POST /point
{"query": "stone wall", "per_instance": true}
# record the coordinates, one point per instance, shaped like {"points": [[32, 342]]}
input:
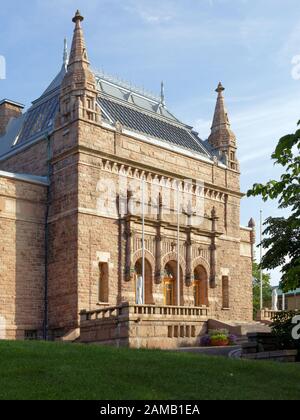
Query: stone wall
{"points": [[31, 160], [22, 256], [83, 157]]}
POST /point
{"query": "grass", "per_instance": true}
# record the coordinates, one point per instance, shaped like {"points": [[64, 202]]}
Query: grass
{"points": [[37, 370]]}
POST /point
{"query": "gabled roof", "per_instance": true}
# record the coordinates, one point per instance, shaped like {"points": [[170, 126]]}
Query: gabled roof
{"points": [[136, 110], [144, 113]]}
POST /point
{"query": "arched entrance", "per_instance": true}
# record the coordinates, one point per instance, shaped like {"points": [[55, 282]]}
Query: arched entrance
{"points": [[148, 281], [200, 286], [170, 284]]}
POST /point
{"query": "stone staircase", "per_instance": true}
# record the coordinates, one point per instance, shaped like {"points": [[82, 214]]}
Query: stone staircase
{"points": [[238, 328]]}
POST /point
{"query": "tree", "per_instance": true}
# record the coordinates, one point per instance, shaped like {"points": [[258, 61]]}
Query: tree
{"points": [[267, 289], [282, 240]]}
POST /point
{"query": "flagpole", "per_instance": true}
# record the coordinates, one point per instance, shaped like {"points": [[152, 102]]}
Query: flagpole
{"points": [[143, 237], [178, 248], [261, 271]]}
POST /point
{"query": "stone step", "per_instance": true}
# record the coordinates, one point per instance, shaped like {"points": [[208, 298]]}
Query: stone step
{"points": [[238, 328]]}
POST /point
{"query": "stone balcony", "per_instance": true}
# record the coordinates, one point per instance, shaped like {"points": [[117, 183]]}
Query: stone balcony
{"points": [[144, 326]]}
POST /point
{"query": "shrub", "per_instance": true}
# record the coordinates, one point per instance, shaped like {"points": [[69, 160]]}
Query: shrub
{"points": [[282, 327], [217, 332]]}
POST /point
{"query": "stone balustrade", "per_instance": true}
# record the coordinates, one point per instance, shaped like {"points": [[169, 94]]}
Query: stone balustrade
{"points": [[147, 310], [266, 315], [144, 325]]}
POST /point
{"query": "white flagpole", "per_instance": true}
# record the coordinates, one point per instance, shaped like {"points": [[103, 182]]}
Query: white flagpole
{"points": [[261, 271], [178, 248], [143, 237]]}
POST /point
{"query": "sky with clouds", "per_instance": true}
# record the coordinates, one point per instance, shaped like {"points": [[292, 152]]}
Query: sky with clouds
{"points": [[191, 45]]}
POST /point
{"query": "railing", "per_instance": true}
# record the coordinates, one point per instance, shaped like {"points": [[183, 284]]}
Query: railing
{"points": [[145, 310], [266, 314], [106, 313], [182, 311]]}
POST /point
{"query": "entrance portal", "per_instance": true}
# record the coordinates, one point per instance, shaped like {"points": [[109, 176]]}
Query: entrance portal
{"points": [[148, 281], [170, 284], [200, 287]]}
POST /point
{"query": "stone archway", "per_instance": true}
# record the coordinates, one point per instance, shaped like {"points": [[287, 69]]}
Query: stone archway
{"points": [[171, 284], [200, 286], [148, 279], [172, 256], [201, 261]]}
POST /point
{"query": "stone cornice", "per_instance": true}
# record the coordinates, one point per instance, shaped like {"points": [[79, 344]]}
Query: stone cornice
{"points": [[143, 168]]}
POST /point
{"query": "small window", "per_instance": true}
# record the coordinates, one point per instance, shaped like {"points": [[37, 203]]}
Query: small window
{"points": [[103, 283], [30, 335], [225, 292], [232, 156]]}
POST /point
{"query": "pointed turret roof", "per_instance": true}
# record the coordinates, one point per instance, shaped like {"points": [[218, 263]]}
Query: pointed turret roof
{"points": [[221, 115], [221, 133], [78, 50]]}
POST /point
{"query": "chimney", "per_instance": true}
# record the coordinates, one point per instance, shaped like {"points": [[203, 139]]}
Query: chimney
{"points": [[8, 109]]}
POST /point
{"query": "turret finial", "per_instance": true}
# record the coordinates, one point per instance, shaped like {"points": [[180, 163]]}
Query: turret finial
{"points": [[77, 17], [220, 88]]}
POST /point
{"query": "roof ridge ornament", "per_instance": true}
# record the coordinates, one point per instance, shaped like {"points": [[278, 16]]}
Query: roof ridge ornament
{"points": [[66, 54], [162, 94]]}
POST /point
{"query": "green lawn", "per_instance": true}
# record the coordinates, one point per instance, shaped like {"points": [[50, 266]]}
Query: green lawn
{"points": [[37, 370]]}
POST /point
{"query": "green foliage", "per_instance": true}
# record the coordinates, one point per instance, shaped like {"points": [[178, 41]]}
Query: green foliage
{"points": [[220, 331], [283, 234], [267, 289], [219, 337], [282, 328]]}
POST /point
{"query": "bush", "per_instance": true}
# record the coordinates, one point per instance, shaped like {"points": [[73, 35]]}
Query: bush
{"points": [[282, 327], [217, 332]]}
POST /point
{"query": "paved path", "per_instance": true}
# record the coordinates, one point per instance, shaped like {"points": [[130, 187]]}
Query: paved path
{"points": [[210, 351]]}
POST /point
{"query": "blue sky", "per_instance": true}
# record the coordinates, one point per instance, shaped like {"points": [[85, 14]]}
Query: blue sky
{"points": [[191, 45]]}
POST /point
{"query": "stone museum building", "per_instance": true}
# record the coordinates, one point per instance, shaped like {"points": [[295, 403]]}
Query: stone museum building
{"points": [[85, 256]]}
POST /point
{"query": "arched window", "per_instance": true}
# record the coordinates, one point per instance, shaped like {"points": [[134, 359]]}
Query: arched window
{"points": [[103, 282]]}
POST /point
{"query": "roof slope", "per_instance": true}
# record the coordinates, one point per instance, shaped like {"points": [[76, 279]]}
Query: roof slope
{"points": [[134, 109]]}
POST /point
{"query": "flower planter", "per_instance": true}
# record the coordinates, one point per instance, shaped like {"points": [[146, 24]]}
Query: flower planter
{"points": [[219, 343]]}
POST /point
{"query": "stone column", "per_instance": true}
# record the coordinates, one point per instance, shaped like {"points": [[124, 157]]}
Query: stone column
{"points": [[213, 250], [158, 273], [188, 279], [129, 235]]}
